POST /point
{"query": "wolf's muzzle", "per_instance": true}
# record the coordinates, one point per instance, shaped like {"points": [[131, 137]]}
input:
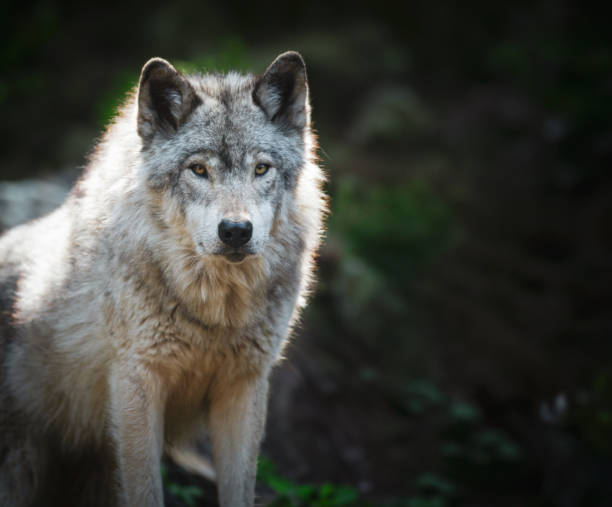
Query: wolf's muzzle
{"points": [[235, 234]]}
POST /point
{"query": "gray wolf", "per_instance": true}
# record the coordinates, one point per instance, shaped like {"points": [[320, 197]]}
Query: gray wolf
{"points": [[154, 302]]}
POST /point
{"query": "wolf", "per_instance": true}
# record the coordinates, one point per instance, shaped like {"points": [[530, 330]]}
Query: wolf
{"points": [[154, 302]]}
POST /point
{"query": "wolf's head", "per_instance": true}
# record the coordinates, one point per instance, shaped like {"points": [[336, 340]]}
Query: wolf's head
{"points": [[222, 152]]}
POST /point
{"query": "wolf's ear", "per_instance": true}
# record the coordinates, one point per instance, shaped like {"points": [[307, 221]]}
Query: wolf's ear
{"points": [[165, 99], [282, 92]]}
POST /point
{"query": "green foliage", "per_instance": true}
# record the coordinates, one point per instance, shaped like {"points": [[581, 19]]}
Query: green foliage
{"points": [[427, 390], [435, 501], [499, 445], [107, 106], [594, 419], [421, 394], [476, 452], [429, 482], [433, 491], [395, 229], [230, 55], [484, 447], [461, 412], [290, 494], [472, 451], [468, 441], [188, 495]]}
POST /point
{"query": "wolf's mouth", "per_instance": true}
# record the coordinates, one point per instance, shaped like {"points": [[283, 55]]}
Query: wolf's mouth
{"points": [[235, 256]]}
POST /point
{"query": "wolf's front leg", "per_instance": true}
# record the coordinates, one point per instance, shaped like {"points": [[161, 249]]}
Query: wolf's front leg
{"points": [[137, 401], [237, 420]]}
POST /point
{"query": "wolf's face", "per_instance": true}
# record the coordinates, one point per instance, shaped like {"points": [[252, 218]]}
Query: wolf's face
{"points": [[221, 153]]}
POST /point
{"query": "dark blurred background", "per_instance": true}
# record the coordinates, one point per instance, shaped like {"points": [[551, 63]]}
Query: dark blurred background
{"points": [[458, 349]]}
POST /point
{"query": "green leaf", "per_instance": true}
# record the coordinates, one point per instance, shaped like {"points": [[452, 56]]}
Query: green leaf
{"points": [[464, 412], [305, 491], [434, 483], [426, 389]]}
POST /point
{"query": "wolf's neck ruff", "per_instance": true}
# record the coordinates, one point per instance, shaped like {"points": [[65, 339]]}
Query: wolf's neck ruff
{"points": [[217, 292]]}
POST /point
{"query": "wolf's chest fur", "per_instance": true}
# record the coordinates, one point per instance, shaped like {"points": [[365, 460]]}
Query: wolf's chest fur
{"points": [[220, 320]]}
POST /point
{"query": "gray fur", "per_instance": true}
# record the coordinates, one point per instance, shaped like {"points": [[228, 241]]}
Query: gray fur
{"points": [[127, 324]]}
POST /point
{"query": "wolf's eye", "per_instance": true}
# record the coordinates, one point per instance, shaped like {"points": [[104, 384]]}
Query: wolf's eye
{"points": [[261, 169], [199, 169]]}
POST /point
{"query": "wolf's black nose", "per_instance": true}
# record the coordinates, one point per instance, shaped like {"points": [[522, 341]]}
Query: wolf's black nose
{"points": [[235, 233]]}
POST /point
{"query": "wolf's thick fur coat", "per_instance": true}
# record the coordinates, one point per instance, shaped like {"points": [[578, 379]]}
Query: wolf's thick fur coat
{"points": [[126, 325]]}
